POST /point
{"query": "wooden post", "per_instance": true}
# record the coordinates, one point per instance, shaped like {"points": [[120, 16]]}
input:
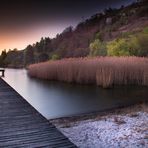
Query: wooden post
{"points": [[3, 72]]}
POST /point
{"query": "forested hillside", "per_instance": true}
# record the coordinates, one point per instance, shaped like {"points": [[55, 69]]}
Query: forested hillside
{"points": [[113, 32]]}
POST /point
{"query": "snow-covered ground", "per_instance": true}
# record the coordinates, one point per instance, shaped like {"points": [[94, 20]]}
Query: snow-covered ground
{"points": [[123, 128]]}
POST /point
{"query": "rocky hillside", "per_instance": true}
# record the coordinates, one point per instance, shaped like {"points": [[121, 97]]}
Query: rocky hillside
{"points": [[82, 40]]}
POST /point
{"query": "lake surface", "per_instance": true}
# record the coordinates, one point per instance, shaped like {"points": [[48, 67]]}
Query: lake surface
{"points": [[56, 99]]}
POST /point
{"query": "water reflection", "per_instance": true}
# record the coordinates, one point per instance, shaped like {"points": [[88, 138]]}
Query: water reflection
{"points": [[54, 99]]}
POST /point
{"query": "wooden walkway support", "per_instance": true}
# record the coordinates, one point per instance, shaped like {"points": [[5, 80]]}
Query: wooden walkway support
{"points": [[22, 126], [3, 72]]}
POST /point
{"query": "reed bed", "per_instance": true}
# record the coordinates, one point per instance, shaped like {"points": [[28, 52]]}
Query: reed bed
{"points": [[103, 71]]}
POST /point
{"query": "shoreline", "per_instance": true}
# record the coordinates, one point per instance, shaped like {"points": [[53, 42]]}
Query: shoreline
{"points": [[122, 127]]}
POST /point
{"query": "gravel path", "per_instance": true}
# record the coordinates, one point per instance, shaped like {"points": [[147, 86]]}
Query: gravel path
{"points": [[126, 127]]}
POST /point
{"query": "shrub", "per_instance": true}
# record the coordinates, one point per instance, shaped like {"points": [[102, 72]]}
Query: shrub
{"points": [[134, 46], [139, 45], [99, 35], [55, 57], [130, 44], [118, 47], [145, 30], [98, 48], [143, 43]]}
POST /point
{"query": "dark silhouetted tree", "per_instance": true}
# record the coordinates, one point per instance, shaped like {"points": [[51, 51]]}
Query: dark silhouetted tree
{"points": [[29, 55], [2, 58]]}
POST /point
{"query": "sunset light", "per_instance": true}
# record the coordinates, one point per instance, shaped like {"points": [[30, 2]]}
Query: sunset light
{"points": [[22, 38]]}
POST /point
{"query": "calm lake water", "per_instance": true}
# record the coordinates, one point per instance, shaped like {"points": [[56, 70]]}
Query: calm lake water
{"points": [[56, 99]]}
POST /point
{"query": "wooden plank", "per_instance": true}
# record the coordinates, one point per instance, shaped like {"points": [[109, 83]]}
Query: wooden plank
{"points": [[22, 126]]}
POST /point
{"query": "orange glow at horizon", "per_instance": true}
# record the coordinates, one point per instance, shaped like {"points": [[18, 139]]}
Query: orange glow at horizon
{"points": [[21, 39]]}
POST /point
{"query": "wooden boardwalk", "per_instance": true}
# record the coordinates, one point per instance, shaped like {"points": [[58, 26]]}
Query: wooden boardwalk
{"points": [[22, 126]]}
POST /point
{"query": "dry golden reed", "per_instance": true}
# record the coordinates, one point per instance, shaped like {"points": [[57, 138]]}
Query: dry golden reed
{"points": [[103, 71]]}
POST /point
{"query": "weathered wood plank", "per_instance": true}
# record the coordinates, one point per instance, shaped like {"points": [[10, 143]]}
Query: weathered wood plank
{"points": [[22, 126]]}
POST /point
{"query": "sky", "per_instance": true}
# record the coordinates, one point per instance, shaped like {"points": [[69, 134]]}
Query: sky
{"points": [[24, 22]]}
